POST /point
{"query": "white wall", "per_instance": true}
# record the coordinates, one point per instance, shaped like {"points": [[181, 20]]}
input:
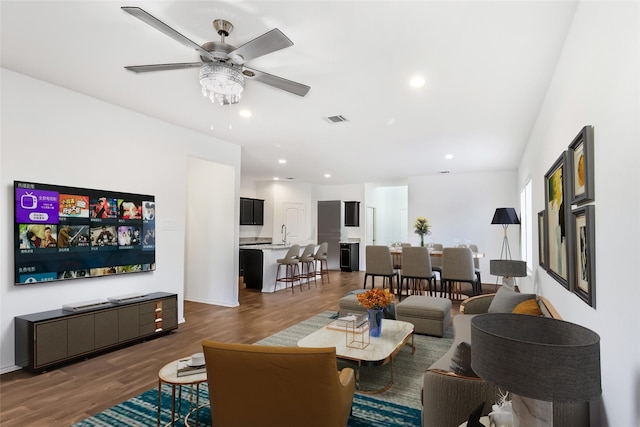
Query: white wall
{"points": [[208, 234], [596, 83], [460, 208], [52, 135]]}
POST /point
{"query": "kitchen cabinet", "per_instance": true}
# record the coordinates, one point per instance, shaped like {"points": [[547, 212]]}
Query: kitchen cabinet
{"points": [[349, 256], [251, 211], [352, 214]]}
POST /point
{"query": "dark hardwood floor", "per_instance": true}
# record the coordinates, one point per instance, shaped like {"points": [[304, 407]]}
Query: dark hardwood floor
{"points": [[73, 392]]}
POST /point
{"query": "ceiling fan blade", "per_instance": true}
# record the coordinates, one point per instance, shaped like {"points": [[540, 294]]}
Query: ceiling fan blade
{"points": [[162, 67], [275, 81], [161, 26], [266, 43]]}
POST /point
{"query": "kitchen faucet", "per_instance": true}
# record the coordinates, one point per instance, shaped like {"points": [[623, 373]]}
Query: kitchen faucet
{"points": [[283, 234]]}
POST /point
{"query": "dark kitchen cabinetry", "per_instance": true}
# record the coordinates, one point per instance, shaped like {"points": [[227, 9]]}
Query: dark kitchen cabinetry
{"points": [[349, 256], [252, 268], [57, 336], [352, 214], [251, 211]]}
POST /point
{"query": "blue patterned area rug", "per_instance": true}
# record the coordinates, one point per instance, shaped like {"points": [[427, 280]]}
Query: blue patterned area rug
{"points": [[397, 407], [142, 411]]}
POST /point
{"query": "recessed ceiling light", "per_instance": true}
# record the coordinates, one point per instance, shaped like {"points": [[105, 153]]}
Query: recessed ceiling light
{"points": [[275, 178], [417, 81], [245, 113], [327, 175], [448, 156], [282, 161]]}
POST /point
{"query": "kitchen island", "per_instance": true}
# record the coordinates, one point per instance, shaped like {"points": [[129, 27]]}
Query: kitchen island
{"points": [[260, 265]]}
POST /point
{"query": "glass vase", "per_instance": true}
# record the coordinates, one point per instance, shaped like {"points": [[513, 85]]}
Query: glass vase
{"points": [[375, 321]]}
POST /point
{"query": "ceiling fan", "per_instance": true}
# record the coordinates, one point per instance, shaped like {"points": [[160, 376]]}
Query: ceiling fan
{"points": [[222, 69]]}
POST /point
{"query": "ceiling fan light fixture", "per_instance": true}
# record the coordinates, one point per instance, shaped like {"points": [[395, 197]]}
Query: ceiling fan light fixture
{"points": [[221, 82]]}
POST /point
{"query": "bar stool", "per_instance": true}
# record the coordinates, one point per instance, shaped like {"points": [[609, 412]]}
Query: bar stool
{"points": [[321, 258], [307, 260], [290, 262]]}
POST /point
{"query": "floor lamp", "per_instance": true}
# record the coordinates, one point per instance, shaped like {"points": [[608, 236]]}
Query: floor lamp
{"points": [[505, 217], [505, 267], [539, 361]]}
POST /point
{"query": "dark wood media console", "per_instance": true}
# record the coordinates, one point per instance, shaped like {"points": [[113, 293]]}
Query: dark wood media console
{"points": [[52, 337]]}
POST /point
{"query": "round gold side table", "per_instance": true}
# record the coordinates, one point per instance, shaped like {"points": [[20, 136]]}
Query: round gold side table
{"points": [[168, 374]]}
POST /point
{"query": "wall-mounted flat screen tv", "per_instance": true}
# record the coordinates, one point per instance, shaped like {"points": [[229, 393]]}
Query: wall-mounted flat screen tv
{"points": [[63, 233]]}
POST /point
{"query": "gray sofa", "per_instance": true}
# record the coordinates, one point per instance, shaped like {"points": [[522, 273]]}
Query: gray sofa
{"points": [[448, 398]]}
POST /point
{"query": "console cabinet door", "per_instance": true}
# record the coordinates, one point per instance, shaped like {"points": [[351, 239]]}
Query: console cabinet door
{"points": [[80, 333], [169, 313], [128, 323], [106, 328], [51, 342]]}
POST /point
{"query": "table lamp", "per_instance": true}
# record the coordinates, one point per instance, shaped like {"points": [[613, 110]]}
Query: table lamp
{"points": [[508, 269], [539, 360]]}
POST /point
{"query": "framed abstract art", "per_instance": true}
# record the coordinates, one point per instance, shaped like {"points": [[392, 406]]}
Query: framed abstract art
{"points": [[583, 254], [556, 223], [542, 240], [580, 157]]}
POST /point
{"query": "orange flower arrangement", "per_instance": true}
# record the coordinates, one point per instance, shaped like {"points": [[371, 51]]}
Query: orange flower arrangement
{"points": [[375, 298]]}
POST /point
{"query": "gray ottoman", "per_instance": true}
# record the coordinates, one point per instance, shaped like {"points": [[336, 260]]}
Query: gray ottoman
{"points": [[429, 315]]}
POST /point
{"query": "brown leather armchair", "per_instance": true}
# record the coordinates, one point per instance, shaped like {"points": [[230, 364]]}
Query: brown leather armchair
{"points": [[251, 385]]}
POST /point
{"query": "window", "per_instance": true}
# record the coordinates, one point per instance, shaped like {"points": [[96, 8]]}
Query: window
{"points": [[526, 225]]}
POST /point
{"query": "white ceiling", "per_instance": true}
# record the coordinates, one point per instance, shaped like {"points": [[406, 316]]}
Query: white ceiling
{"points": [[487, 66]]}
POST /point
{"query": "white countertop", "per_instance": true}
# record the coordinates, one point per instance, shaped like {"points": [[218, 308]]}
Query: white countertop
{"points": [[268, 246]]}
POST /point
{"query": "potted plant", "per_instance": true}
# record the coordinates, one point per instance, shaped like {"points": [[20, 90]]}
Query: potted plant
{"points": [[422, 227]]}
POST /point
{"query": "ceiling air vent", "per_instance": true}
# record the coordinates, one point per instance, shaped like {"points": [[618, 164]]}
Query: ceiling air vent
{"points": [[336, 119]]}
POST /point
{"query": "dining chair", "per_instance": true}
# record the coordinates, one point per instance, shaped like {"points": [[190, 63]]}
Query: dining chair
{"points": [[290, 262], [378, 263], [321, 259], [436, 261], [476, 264], [416, 268], [307, 260], [457, 266]]}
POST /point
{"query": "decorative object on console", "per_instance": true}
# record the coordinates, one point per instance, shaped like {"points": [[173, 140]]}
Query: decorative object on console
{"points": [[422, 227], [501, 414], [375, 300], [539, 360], [474, 417]]}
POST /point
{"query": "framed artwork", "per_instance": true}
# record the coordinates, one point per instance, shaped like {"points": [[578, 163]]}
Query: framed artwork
{"points": [[542, 239], [583, 254], [581, 167], [557, 230]]}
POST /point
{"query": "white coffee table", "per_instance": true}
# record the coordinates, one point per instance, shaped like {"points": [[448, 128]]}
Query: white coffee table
{"points": [[380, 351]]}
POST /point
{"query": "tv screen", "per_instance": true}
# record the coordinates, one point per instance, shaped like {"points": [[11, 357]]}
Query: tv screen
{"points": [[64, 233]]}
